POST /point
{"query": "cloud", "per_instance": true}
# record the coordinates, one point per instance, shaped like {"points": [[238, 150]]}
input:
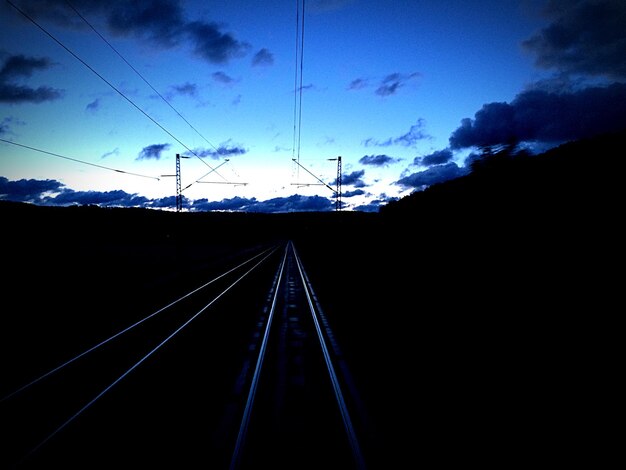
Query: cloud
{"points": [[372, 206], [115, 151], [223, 78], [356, 192], [389, 85], [4, 126], [352, 179], [378, 160], [93, 106], [263, 58], [213, 45], [393, 82], [225, 149], [433, 175], [27, 190], [358, 84], [14, 94], [545, 117], [6, 123], [161, 23], [411, 138], [115, 198], [584, 37], [22, 66], [189, 89], [436, 158], [54, 193], [153, 151], [294, 203]]}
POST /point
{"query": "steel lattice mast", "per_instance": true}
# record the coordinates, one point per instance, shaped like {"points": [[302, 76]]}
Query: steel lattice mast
{"points": [[338, 195], [179, 196]]}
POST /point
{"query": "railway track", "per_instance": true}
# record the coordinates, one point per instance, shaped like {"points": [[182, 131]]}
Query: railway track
{"points": [[240, 372]]}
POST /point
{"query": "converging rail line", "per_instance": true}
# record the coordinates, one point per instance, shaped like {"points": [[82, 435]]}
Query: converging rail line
{"points": [[302, 405], [240, 372]]}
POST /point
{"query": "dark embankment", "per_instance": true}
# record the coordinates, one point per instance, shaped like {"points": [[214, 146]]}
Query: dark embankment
{"points": [[466, 312]]}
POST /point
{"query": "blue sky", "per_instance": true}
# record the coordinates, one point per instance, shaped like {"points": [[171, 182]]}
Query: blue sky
{"points": [[97, 97]]}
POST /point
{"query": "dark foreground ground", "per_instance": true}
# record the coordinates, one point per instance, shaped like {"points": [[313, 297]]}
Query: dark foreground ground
{"points": [[470, 335]]}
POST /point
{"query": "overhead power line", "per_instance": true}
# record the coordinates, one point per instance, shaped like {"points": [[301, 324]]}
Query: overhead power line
{"points": [[140, 75], [77, 160], [29, 18], [297, 99]]}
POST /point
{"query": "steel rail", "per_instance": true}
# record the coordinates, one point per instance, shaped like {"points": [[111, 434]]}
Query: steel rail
{"points": [[125, 330], [37, 447], [343, 408], [245, 421]]}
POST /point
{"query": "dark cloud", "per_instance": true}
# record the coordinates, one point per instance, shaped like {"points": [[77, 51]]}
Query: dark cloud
{"points": [[225, 149], [93, 106], [541, 116], [5, 126], [6, 123], [115, 198], [263, 58], [162, 23], [372, 206], [294, 203], [189, 89], [223, 78], [24, 190], [153, 151], [22, 66], [411, 138], [388, 85], [433, 175], [62, 14], [393, 82], [212, 44], [353, 179], [54, 193], [378, 160], [358, 84], [356, 192], [584, 37], [436, 158], [166, 202], [159, 21], [14, 94], [115, 151]]}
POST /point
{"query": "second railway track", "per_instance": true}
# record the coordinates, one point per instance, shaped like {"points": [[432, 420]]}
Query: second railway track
{"points": [[239, 372]]}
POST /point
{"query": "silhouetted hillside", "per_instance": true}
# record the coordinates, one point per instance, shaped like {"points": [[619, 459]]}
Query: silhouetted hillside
{"points": [[571, 180], [466, 310]]}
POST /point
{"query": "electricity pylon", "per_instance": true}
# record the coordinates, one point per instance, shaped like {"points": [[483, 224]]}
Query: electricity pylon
{"points": [[179, 196], [336, 191]]}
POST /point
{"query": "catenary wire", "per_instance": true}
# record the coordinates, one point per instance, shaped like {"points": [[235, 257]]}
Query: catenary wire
{"points": [[125, 330], [300, 86], [140, 75], [134, 366], [29, 18], [77, 160]]}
